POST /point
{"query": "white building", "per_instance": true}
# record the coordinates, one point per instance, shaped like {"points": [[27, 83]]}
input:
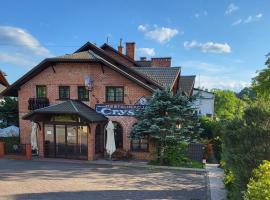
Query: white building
{"points": [[204, 102]]}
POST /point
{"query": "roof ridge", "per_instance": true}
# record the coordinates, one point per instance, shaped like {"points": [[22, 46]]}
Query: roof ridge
{"points": [[71, 101]]}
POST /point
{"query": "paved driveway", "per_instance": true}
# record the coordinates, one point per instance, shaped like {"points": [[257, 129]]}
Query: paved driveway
{"points": [[57, 180]]}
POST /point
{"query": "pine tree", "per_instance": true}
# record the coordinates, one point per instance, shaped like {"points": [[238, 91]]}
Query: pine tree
{"points": [[167, 116]]}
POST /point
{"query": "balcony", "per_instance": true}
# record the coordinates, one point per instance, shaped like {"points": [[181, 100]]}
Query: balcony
{"points": [[36, 103]]}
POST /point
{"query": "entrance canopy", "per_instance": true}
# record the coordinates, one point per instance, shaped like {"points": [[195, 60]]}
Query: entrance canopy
{"points": [[70, 107]]}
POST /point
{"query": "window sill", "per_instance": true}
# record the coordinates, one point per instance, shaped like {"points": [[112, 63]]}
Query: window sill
{"points": [[139, 151], [114, 102]]}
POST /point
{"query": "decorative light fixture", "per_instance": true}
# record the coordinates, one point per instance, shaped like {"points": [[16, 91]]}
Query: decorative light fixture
{"points": [[88, 82]]}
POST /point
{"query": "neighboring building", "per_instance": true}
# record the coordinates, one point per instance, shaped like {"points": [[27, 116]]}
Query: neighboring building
{"points": [[73, 96], [205, 102], [186, 84], [3, 83]]}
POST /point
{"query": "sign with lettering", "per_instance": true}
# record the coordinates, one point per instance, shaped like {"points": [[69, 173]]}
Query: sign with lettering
{"points": [[118, 110]]}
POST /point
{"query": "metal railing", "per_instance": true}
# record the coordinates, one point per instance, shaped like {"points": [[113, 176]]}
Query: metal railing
{"points": [[36, 103]]}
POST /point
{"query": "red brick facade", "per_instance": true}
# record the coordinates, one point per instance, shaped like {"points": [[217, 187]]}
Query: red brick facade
{"points": [[73, 74], [161, 62]]}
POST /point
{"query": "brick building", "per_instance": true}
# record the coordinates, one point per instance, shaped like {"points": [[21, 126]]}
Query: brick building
{"points": [[72, 97]]}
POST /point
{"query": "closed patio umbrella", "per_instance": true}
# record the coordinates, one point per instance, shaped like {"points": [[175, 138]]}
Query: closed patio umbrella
{"points": [[110, 144], [34, 137]]}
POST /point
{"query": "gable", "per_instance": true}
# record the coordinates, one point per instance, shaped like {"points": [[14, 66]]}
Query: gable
{"points": [[89, 56]]}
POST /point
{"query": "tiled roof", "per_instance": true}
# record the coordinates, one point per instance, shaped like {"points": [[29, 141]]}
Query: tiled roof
{"points": [[165, 76], [186, 84], [3, 80], [69, 107], [144, 63], [81, 55]]}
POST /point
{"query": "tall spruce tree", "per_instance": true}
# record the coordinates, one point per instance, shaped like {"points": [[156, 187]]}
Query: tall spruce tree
{"points": [[167, 116]]}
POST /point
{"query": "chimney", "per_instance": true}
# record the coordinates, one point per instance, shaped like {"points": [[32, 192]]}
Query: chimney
{"points": [[161, 62], [130, 50], [120, 47]]}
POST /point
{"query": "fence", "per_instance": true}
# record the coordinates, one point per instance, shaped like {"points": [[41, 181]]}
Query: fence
{"points": [[20, 151], [196, 152]]}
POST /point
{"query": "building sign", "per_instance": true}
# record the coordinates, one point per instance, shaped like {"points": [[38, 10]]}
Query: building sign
{"points": [[118, 110], [142, 101]]}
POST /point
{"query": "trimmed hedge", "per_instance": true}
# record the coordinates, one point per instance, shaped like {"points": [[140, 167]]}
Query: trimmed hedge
{"points": [[9, 142]]}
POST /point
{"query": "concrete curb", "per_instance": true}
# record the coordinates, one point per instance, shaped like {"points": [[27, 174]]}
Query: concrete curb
{"points": [[208, 186], [153, 167], [123, 164]]}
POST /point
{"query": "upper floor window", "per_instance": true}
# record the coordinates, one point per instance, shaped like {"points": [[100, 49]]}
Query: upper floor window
{"points": [[41, 91], [114, 94], [64, 92], [83, 93], [140, 144]]}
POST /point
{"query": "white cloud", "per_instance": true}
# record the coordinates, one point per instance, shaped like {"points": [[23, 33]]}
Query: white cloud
{"points": [[142, 28], [13, 36], [231, 9], [239, 21], [211, 75], [220, 82], [250, 18], [200, 14], [204, 67], [16, 59], [159, 34], [19, 47], [208, 47], [146, 51]]}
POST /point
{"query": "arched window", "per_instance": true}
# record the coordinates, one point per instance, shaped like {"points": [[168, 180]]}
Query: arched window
{"points": [[141, 144], [118, 135]]}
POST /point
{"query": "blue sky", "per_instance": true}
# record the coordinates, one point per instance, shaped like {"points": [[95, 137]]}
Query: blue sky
{"points": [[222, 42]]}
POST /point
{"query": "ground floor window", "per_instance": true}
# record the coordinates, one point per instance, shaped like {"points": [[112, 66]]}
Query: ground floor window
{"points": [[140, 144], [65, 141]]}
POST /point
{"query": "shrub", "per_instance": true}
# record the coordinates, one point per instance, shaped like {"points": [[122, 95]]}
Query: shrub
{"points": [[246, 145], [175, 153], [259, 184], [9, 142]]}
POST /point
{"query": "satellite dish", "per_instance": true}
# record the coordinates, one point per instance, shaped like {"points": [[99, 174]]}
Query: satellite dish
{"points": [[88, 82]]}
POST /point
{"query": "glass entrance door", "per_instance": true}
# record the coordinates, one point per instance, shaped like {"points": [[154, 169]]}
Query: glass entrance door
{"points": [[71, 142], [60, 141], [65, 141], [49, 146]]}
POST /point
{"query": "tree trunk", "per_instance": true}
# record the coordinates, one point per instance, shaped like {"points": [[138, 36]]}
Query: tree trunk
{"points": [[162, 149]]}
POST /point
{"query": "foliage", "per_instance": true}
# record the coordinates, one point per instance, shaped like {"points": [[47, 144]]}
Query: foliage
{"points": [[175, 153], [9, 142], [261, 83], [227, 105], [246, 145], [212, 128], [259, 184], [247, 94], [9, 112], [166, 116]]}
